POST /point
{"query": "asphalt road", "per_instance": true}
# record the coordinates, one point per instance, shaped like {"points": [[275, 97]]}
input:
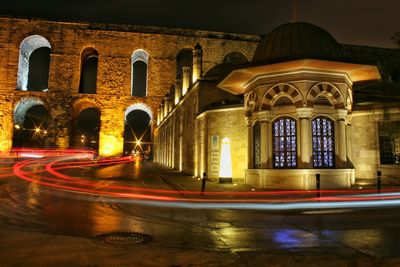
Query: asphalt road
{"points": [[41, 226]]}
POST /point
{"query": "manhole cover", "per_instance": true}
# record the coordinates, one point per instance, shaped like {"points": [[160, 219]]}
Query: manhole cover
{"points": [[123, 239], [214, 225]]}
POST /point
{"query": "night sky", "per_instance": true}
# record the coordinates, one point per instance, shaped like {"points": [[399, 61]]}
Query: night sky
{"points": [[363, 22]]}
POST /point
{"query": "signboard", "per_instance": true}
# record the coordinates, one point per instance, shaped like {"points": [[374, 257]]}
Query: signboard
{"points": [[214, 156]]}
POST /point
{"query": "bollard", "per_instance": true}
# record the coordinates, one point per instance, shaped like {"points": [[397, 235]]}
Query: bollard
{"points": [[203, 183], [379, 181], [318, 184]]}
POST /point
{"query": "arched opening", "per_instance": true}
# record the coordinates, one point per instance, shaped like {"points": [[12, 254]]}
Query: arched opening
{"points": [[184, 59], [235, 58], [140, 59], [137, 133], [38, 74], [86, 131], [34, 64], [89, 64], [31, 122], [284, 143]]}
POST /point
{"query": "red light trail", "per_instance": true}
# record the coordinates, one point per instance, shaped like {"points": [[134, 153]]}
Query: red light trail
{"points": [[46, 171]]}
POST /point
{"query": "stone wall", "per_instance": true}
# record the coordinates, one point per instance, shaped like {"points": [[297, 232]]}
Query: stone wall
{"points": [[227, 123], [115, 45], [365, 143]]}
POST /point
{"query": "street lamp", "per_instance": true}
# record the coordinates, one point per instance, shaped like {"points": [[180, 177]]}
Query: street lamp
{"points": [[83, 137]]}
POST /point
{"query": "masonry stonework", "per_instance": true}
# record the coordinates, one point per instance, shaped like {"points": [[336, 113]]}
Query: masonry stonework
{"points": [[115, 45]]}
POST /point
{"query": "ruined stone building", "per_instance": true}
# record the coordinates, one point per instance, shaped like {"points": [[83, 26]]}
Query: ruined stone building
{"points": [[270, 111], [67, 69]]}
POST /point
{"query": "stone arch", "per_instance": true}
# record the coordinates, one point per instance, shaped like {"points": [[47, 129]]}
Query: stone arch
{"points": [[23, 106], [139, 74], [276, 91], [28, 45], [84, 103], [88, 70], [139, 106], [251, 102], [236, 51], [328, 90], [329, 116], [282, 99], [235, 58], [86, 124]]}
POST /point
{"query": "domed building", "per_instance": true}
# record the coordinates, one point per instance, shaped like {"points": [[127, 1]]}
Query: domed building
{"points": [[305, 105], [270, 111]]}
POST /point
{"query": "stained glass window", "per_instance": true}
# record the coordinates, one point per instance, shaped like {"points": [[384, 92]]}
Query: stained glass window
{"points": [[257, 144], [323, 142], [284, 143]]}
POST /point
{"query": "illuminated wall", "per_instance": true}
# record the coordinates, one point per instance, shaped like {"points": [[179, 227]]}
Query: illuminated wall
{"points": [[220, 124], [111, 141], [113, 89]]}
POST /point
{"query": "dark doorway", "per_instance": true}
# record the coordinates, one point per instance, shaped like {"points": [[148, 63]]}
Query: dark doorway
{"points": [[87, 127]]}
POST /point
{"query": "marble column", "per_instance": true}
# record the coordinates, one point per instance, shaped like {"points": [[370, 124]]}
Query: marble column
{"points": [[304, 115], [264, 117]]}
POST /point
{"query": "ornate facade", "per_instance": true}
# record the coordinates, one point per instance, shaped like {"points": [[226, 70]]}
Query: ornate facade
{"points": [[310, 106], [271, 111]]}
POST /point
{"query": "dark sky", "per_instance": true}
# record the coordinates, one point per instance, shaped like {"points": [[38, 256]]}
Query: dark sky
{"points": [[365, 22]]}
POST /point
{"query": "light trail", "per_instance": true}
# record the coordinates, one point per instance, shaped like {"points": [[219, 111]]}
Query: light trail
{"points": [[46, 171]]}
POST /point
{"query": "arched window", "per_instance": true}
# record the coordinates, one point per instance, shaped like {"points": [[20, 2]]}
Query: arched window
{"points": [[257, 144], [323, 142], [89, 63], [284, 143], [34, 64], [140, 59]]}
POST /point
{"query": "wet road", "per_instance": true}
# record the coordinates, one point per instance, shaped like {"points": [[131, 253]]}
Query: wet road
{"points": [[239, 237]]}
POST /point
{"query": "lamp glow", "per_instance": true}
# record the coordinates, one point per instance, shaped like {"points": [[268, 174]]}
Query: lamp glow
{"points": [[225, 164]]}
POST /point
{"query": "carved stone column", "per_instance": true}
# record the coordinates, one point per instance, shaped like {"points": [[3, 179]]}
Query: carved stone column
{"points": [[185, 80], [305, 137], [178, 90], [197, 62]]}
